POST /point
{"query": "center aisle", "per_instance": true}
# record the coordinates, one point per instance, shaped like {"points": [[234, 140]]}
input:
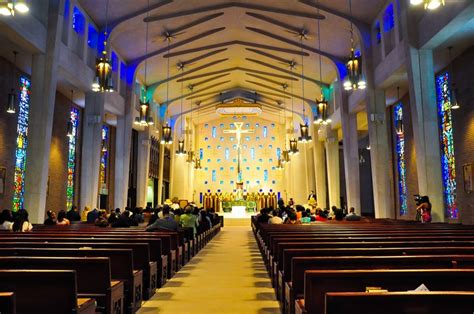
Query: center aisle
{"points": [[227, 276]]}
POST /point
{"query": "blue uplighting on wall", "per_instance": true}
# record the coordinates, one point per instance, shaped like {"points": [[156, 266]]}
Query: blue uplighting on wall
{"points": [[123, 72], [78, 21], [114, 61], [92, 37], [388, 19]]}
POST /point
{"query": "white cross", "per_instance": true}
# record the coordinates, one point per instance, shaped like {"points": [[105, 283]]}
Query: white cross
{"points": [[238, 132]]}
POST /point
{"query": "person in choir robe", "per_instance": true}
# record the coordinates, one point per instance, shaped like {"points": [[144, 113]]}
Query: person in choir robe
{"points": [[272, 199], [21, 222], [215, 202], [51, 218], [6, 220], [261, 199], [352, 216], [84, 213], [218, 201], [207, 200], [73, 214], [166, 222]]}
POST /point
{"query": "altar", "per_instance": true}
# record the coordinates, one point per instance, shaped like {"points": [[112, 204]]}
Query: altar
{"points": [[242, 206]]}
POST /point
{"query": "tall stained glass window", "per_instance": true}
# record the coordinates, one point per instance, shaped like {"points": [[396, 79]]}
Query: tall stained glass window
{"points": [[227, 153], [252, 153], [21, 143], [265, 175], [401, 161], [448, 162], [104, 155], [265, 131], [201, 153], [214, 132], [278, 153], [71, 161], [214, 176]]}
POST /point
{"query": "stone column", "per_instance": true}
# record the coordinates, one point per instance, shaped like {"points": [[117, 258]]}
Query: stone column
{"points": [[380, 154], [91, 147], [43, 95], [122, 151], [319, 169], [332, 161], [160, 173], [351, 155], [143, 166], [424, 112]]}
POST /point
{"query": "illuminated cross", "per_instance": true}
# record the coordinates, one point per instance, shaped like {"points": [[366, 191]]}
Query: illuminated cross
{"points": [[238, 132]]}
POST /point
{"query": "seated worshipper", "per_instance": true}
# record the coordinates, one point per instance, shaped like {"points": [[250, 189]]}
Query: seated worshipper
{"points": [[62, 220], [51, 218], [138, 215], [336, 213], [21, 222], [264, 216], [92, 215], [275, 219], [320, 215], [123, 220], [299, 211], [291, 219], [6, 220], [306, 218], [101, 220], [177, 214], [154, 216], [352, 216], [204, 221], [424, 209], [73, 214], [113, 217], [166, 223], [84, 213], [188, 220]]}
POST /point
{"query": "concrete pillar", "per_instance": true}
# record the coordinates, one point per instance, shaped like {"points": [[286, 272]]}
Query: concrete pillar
{"points": [[380, 154], [332, 162], [91, 148], [425, 127], [351, 155], [143, 156], [320, 169], [160, 173], [43, 94], [122, 151]]}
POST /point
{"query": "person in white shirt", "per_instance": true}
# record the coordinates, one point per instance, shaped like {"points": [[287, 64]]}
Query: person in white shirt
{"points": [[6, 220], [275, 219]]}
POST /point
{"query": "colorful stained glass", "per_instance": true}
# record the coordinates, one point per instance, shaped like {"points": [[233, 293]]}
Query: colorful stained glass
{"points": [[227, 153], [21, 143], [201, 153], [71, 161], [448, 162], [265, 175], [214, 132], [252, 153], [278, 153], [104, 155], [214, 176], [401, 161], [265, 131]]}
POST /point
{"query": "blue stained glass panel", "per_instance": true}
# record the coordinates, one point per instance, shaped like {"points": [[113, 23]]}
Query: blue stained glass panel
{"points": [[201, 153], [265, 131], [265, 175], [214, 132], [252, 153], [214, 176], [401, 162], [227, 153]]}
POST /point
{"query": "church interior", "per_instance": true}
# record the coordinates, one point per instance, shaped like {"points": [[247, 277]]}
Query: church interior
{"points": [[216, 156]]}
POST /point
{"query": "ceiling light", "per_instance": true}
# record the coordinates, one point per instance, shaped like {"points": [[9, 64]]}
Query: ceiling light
{"points": [[21, 6], [103, 81], [166, 135], [5, 10], [293, 147], [180, 151], [415, 2], [305, 137], [428, 4]]}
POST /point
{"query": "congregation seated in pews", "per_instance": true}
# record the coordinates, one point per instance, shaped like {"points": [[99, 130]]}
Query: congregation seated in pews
{"points": [[327, 262], [97, 262]]}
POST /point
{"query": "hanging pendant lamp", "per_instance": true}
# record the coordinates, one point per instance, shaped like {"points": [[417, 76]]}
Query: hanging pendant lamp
{"points": [[293, 147], [321, 103], [103, 81], [354, 79], [181, 151], [428, 4], [11, 98], [304, 128], [166, 131]]}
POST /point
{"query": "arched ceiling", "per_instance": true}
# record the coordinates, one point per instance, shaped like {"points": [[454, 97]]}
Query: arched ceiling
{"points": [[238, 48]]}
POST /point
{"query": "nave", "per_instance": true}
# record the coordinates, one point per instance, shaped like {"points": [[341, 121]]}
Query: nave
{"points": [[227, 276]]}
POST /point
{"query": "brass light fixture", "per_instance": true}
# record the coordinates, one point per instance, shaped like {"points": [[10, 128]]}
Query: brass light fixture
{"points": [[428, 4], [180, 151], [145, 119], [190, 157], [70, 127], [293, 147], [354, 79], [321, 103], [304, 128], [293, 142], [285, 156], [103, 81], [280, 164], [166, 135], [8, 8], [197, 164], [11, 100]]}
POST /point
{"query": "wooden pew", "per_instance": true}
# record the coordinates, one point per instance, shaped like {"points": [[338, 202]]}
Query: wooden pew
{"points": [[294, 287], [7, 303], [320, 282], [38, 291], [436, 302], [92, 273], [121, 266]]}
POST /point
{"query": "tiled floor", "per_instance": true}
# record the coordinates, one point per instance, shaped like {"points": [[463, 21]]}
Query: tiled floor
{"points": [[227, 276]]}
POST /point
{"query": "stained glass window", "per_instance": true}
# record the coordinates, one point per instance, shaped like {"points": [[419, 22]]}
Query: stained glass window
{"points": [[21, 143], [252, 153], [104, 155], [227, 153], [214, 132], [201, 153], [401, 162], [219, 146], [71, 161], [265, 131], [448, 162], [278, 153], [214, 174], [265, 175]]}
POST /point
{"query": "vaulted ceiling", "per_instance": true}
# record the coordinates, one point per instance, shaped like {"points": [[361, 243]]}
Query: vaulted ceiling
{"points": [[240, 48]]}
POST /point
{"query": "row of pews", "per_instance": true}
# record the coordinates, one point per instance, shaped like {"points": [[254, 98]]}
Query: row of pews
{"points": [[87, 269], [343, 267]]}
